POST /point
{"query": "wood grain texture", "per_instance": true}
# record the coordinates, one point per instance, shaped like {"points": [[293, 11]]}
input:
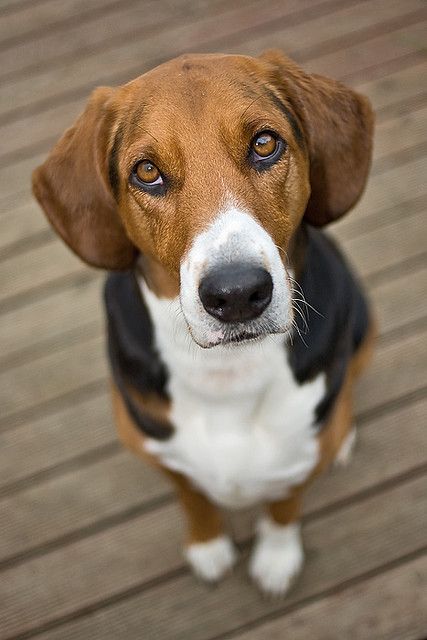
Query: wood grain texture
{"points": [[389, 606], [90, 537], [358, 537]]}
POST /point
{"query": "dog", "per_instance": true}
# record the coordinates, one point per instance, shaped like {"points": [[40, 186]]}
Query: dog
{"points": [[235, 328]]}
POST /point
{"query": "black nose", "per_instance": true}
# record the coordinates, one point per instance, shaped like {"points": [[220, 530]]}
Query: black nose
{"points": [[236, 292]]}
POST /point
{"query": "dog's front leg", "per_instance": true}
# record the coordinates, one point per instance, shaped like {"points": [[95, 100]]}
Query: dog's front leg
{"points": [[209, 551], [278, 554]]}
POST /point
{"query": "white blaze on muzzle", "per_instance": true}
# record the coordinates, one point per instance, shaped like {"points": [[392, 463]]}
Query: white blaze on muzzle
{"points": [[234, 238]]}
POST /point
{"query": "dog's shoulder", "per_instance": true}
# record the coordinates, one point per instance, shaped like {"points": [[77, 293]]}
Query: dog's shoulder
{"points": [[332, 317]]}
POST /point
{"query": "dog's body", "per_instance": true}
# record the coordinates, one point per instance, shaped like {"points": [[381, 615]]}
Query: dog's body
{"points": [[235, 335]]}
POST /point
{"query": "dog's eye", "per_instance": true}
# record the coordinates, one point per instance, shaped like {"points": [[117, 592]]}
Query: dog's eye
{"points": [[147, 176], [266, 148], [264, 144]]}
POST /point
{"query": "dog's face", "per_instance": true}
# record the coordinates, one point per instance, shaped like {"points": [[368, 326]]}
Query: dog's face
{"points": [[204, 168]]}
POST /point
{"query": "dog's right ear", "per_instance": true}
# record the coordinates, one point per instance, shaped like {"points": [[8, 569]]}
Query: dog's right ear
{"points": [[338, 126], [72, 187]]}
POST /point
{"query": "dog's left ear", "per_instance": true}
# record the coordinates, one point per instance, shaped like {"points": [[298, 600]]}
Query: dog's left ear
{"points": [[338, 125]]}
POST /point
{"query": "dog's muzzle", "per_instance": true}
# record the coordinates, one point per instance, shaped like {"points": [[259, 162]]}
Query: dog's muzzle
{"points": [[236, 292]]}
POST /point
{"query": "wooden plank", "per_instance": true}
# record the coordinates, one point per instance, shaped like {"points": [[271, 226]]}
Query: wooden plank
{"points": [[49, 14], [20, 223], [15, 182], [87, 35], [73, 501], [55, 439], [353, 63], [354, 224], [383, 192], [388, 245], [346, 23], [11, 6], [36, 19], [399, 133], [128, 41], [403, 84], [397, 369], [359, 538], [403, 296], [68, 501], [50, 318], [388, 606], [376, 458], [39, 265], [55, 373]]}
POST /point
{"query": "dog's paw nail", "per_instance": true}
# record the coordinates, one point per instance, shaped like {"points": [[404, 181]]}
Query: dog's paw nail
{"points": [[345, 452], [213, 559], [277, 558]]}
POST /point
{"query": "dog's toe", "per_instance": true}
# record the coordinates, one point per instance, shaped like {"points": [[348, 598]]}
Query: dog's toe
{"points": [[277, 558], [211, 560]]}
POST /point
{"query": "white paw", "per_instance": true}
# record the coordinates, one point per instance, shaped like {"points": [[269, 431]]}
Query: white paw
{"points": [[277, 558], [211, 560], [345, 452]]}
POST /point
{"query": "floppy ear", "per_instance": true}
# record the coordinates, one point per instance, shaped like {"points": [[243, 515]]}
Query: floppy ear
{"points": [[338, 126], [72, 187]]}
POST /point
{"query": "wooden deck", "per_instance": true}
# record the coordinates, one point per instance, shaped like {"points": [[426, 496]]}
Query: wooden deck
{"points": [[90, 537]]}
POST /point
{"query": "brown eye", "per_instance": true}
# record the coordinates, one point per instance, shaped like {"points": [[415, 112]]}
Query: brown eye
{"points": [[146, 176], [266, 149], [264, 144], [148, 172]]}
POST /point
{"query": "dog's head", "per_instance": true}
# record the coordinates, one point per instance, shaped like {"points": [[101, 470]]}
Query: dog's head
{"points": [[204, 168]]}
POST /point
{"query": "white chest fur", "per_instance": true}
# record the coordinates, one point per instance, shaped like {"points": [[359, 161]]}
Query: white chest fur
{"points": [[243, 426]]}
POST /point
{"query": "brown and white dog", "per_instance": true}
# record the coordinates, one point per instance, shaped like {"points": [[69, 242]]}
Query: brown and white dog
{"points": [[235, 328]]}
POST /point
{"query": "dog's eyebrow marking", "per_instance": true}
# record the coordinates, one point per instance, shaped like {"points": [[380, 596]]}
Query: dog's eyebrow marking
{"points": [[113, 171], [296, 129]]}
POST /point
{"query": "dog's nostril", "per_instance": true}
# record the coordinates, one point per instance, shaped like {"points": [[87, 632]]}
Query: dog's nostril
{"points": [[255, 297], [236, 292]]}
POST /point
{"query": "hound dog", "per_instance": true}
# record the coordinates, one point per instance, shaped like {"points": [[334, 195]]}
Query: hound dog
{"points": [[235, 327]]}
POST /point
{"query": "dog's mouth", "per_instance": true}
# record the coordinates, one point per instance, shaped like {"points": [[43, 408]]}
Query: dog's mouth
{"points": [[238, 334]]}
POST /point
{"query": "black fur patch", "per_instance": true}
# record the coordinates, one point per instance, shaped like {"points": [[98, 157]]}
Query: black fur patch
{"points": [[113, 169], [134, 360], [337, 327]]}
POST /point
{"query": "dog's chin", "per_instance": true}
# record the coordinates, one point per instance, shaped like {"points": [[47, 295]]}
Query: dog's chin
{"points": [[234, 336]]}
